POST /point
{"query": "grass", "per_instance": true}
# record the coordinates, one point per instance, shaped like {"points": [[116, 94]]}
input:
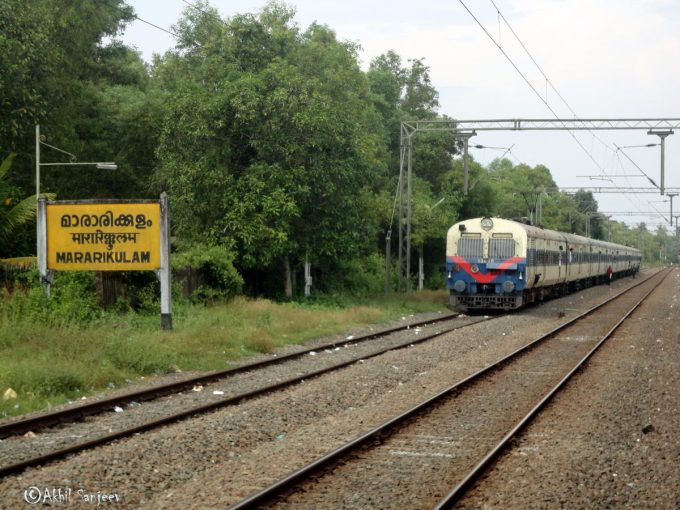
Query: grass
{"points": [[48, 365]]}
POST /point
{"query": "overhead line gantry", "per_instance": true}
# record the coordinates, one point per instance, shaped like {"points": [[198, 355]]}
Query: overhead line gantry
{"points": [[465, 129]]}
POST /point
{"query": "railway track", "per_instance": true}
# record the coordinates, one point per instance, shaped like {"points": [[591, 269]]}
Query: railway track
{"points": [[71, 414], [68, 415], [447, 441]]}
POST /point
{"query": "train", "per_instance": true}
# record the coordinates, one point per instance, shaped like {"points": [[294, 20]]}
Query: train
{"points": [[496, 263]]}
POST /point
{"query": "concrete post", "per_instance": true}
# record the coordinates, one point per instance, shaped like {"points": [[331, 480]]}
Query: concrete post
{"points": [[165, 271], [308, 276], [41, 230]]}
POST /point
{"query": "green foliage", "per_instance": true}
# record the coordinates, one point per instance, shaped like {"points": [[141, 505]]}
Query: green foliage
{"points": [[14, 212], [270, 138], [216, 264], [353, 276], [27, 60], [73, 301], [268, 142], [59, 61], [47, 364]]}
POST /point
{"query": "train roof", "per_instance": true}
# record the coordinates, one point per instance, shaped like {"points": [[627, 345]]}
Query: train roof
{"points": [[544, 233]]}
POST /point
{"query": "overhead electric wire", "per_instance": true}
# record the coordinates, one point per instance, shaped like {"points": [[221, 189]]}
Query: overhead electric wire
{"points": [[573, 112], [530, 85], [533, 60], [595, 137], [547, 80], [540, 70], [636, 166], [544, 101], [642, 205], [174, 34]]}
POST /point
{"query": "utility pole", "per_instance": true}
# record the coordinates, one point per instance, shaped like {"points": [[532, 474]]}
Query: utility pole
{"points": [[662, 135], [671, 196], [408, 132], [466, 171], [388, 262], [41, 229]]}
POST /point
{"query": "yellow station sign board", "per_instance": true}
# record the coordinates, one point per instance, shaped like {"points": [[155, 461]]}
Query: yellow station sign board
{"points": [[103, 236]]}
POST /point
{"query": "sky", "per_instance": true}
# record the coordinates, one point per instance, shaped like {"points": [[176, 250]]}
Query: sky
{"points": [[606, 59]]}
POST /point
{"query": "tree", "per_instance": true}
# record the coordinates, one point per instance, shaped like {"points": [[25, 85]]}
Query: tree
{"points": [[268, 140], [27, 59], [405, 93], [56, 67], [13, 213]]}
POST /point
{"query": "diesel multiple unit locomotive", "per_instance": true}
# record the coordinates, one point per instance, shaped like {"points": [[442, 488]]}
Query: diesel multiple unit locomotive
{"points": [[504, 264]]}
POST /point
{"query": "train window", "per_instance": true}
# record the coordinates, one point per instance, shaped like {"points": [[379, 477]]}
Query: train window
{"points": [[501, 248], [470, 248]]}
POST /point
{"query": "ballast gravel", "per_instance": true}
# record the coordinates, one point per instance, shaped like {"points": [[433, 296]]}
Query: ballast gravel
{"points": [[611, 439], [219, 458]]}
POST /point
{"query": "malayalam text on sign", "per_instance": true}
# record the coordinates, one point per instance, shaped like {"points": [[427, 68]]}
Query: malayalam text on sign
{"points": [[103, 236]]}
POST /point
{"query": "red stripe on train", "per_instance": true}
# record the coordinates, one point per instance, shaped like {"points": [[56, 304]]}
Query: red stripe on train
{"points": [[485, 277]]}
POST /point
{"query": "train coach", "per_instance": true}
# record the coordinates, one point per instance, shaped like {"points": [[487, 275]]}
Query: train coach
{"points": [[494, 263]]}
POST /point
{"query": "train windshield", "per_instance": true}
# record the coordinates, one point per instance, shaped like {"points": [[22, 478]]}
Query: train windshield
{"points": [[501, 248], [472, 248]]}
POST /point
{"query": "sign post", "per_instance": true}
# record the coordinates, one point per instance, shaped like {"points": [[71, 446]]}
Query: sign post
{"points": [[107, 235], [164, 272], [42, 246]]}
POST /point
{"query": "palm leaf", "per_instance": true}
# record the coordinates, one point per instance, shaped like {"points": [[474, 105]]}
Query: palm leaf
{"points": [[6, 164], [21, 213]]}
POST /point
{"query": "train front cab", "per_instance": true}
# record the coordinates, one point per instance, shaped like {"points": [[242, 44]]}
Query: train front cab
{"points": [[484, 268]]}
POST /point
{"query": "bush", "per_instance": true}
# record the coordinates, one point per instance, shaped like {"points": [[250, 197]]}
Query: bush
{"points": [[355, 277], [215, 263], [73, 301]]}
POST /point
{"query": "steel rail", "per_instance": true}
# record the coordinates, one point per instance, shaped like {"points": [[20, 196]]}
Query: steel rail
{"points": [[387, 428], [194, 411], [40, 421], [459, 491]]}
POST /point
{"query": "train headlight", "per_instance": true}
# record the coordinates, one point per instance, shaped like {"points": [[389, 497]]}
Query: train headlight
{"points": [[487, 223], [474, 268], [508, 286]]}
